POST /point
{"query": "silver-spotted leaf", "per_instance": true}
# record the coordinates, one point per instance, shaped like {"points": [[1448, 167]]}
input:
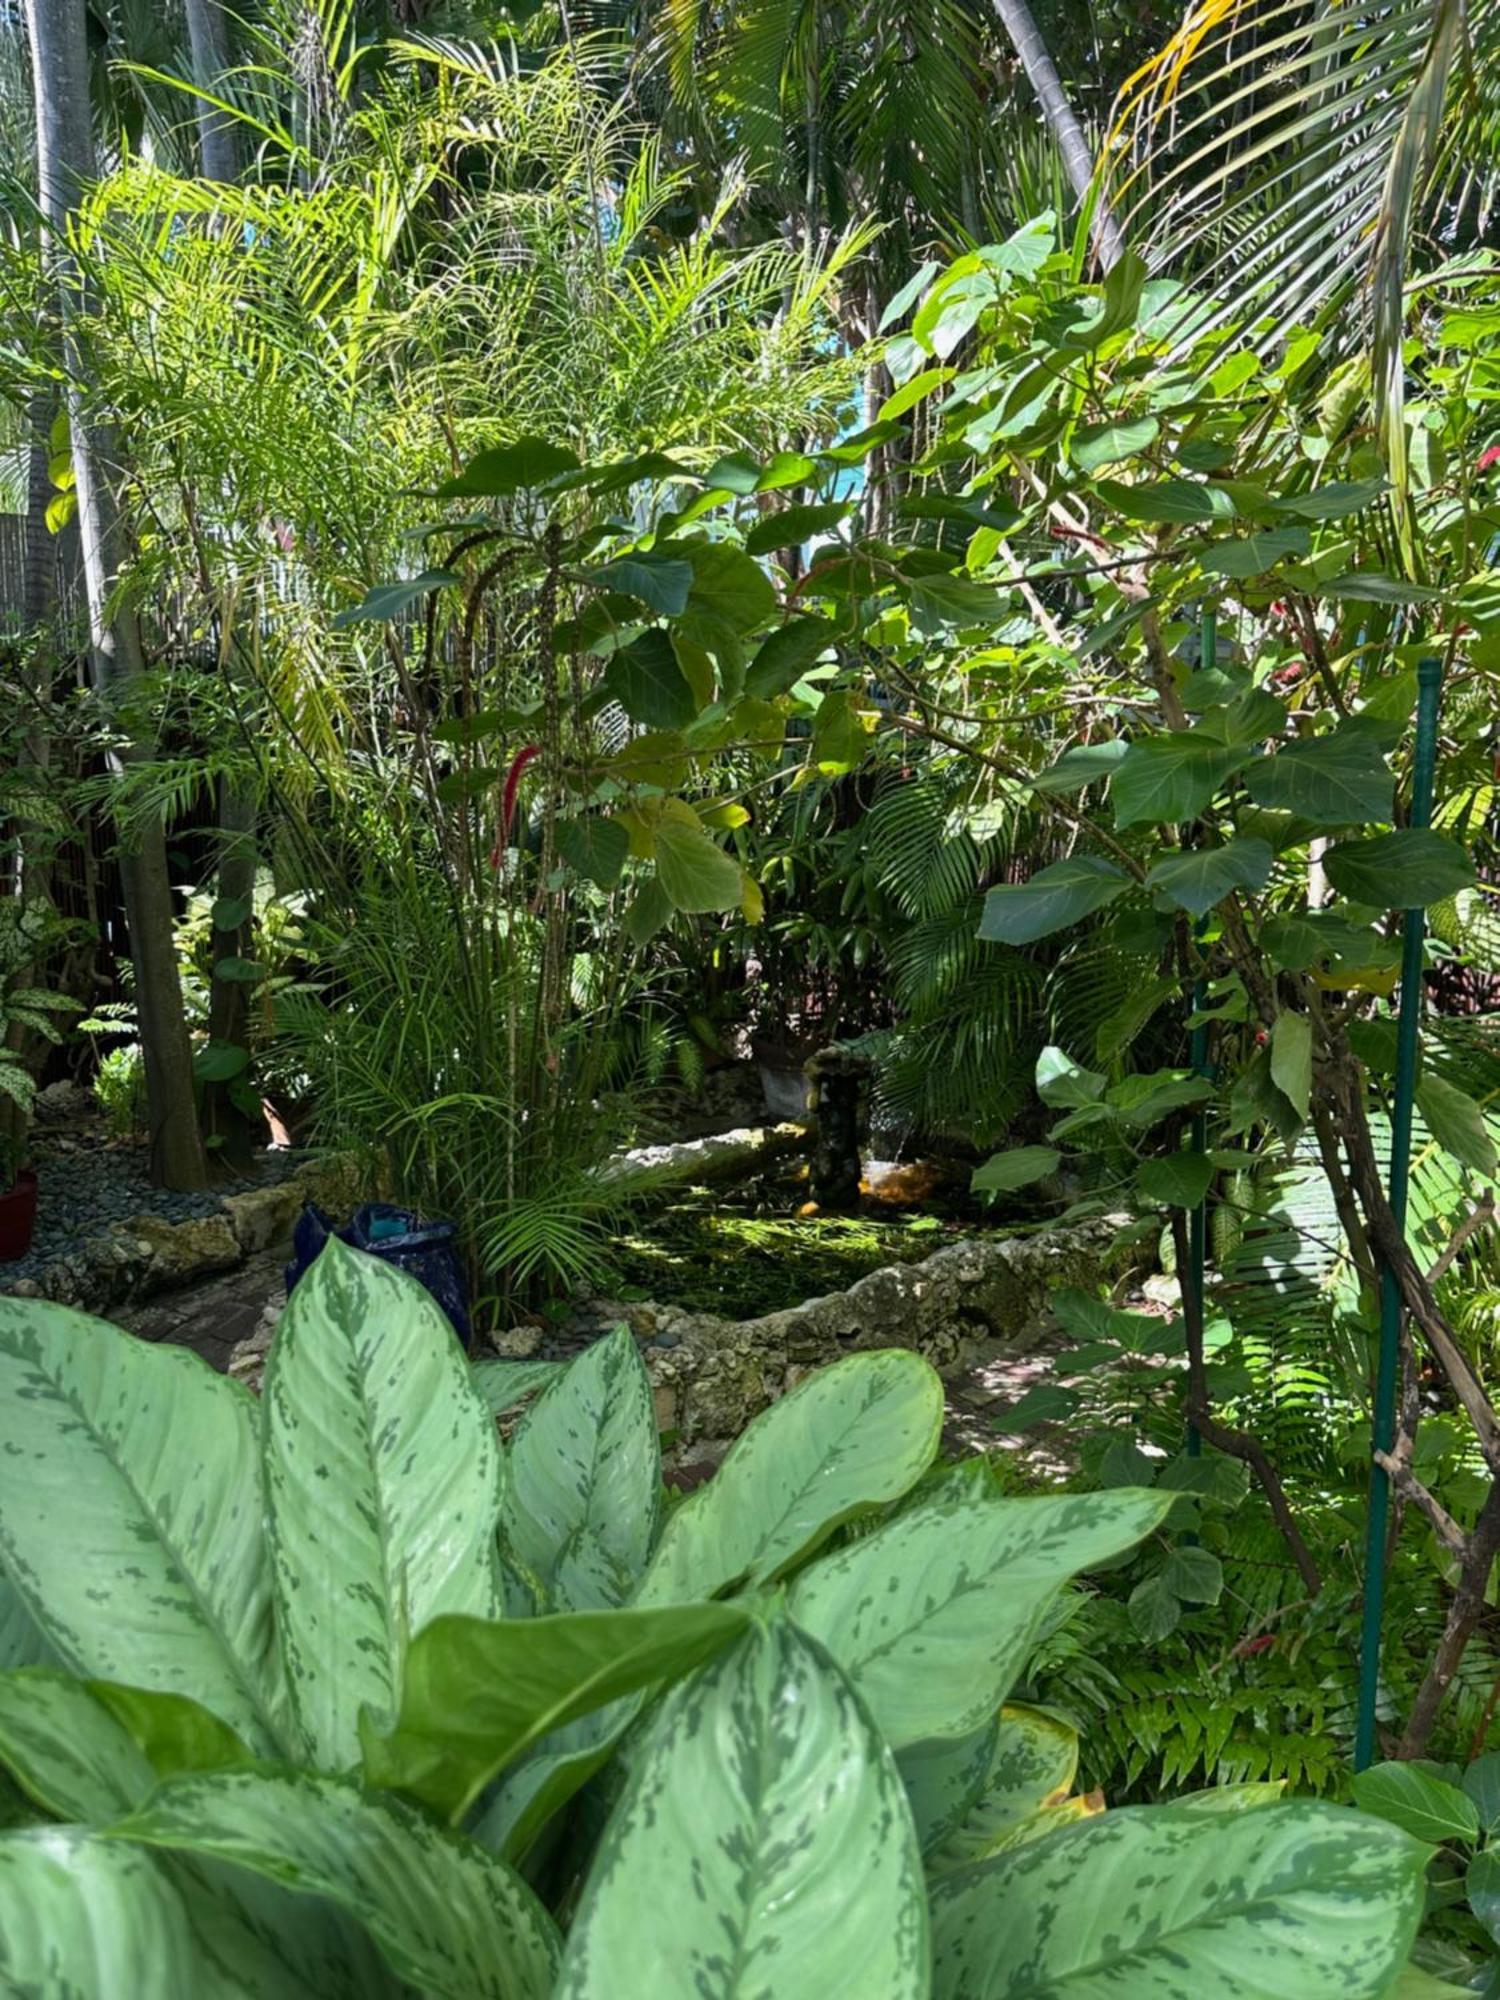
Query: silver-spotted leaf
{"points": [[847, 1439], [763, 1849], [505, 1385], [21, 1641], [84, 1919], [581, 1509], [131, 1512], [1032, 1764], [449, 1917], [1292, 1902], [383, 1476], [476, 1693], [78, 1761], [66, 1751], [943, 1782], [524, 1797], [933, 1615]]}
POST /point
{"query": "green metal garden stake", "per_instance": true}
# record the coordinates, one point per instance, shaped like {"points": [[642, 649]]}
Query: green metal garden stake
{"points": [[1383, 1426]]}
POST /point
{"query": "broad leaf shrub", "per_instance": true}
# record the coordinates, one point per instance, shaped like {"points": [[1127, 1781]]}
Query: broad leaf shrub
{"points": [[335, 1696]]}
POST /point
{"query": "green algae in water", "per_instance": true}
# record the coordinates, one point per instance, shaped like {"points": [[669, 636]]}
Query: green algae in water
{"points": [[713, 1259]]}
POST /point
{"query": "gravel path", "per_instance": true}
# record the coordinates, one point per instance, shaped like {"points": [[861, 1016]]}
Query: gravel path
{"points": [[85, 1181]]}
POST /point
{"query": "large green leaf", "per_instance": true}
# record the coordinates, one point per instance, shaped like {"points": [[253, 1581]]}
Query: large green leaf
{"points": [[1426, 1806], [1022, 912], [645, 679], [1399, 871], [596, 847], [383, 1477], [21, 1640], [763, 1850], [933, 1615], [510, 468], [526, 1795], [1018, 1168], [84, 1919], [943, 1782], [477, 1693], [1294, 1902], [1292, 1059], [67, 1751], [1094, 445], [1457, 1123], [449, 1917], [1166, 500], [847, 1439], [785, 655], [1337, 780], [131, 1512], [660, 581], [505, 1385], [82, 1764], [1200, 877], [1173, 777], [585, 1488], [696, 873], [1033, 1760]]}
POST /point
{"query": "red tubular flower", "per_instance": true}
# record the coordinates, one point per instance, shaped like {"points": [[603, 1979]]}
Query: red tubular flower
{"points": [[1487, 458], [508, 800]]}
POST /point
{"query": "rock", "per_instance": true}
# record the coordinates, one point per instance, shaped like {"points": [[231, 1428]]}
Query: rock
{"points": [[719, 1156], [247, 1363], [710, 1376], [178, 1253], [264, 1215], [62, 1102], [519, 1344]]}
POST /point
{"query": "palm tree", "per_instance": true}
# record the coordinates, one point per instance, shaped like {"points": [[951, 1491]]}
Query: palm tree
{"points": [[1280, 155], [65, 165]]}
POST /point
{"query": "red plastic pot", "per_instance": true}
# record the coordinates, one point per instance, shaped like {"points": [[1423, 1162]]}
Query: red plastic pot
{"points": [[17, 1218]]}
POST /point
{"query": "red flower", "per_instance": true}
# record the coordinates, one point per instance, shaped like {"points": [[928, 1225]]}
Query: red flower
{"points": [[508, 800], [1487, 458]]}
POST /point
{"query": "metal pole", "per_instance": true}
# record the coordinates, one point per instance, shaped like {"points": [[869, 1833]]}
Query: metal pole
{"points": [[1388, 1365], [1208, 652]]}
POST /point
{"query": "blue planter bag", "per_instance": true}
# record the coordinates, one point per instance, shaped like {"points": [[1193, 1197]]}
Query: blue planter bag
{"points": [[427, 1250]]}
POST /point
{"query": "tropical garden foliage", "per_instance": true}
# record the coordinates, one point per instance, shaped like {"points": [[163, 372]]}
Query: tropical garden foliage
{"points": [[555, 553]]}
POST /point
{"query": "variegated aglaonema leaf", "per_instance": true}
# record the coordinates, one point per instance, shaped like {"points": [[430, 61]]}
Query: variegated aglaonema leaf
{"points": [[847, 1439], [943, 1782], [450, 1918], [132, 1510], [585, 1489], [383, 1476], [526, 1795], [1290, 1902], [21, 1641], [1024, 1793], [476, 1693], [933, 1615], [77, 1760], [67, 1751], [763, 1849], [86, 1919]]}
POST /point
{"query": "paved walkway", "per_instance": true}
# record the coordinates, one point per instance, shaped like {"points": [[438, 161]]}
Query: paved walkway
{"points": [[210, 1318]]}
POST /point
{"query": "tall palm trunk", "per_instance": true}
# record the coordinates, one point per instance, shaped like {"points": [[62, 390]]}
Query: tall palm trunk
{"points": [[65, 163], [1062, 121], [235, 1130]]}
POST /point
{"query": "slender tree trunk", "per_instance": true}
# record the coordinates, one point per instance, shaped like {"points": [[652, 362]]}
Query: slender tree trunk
{"points": [[235, 1131], [65, 163], [218, 134], [1062, 121]]}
